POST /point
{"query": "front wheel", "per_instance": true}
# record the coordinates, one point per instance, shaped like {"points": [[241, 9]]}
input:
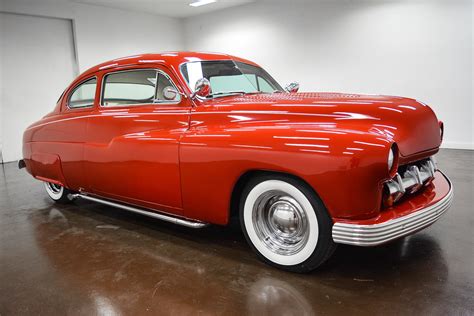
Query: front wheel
{"points": [[57, 192], [286, 223]]}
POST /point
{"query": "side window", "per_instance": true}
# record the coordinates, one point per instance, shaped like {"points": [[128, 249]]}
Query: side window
{"points": [[83, 95], [137, 87]]}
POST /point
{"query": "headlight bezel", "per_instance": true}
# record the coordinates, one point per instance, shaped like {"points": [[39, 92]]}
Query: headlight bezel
{"points": [[441, 130], [392, 160]]}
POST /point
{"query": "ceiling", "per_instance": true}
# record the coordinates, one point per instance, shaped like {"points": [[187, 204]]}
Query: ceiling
{"points": [[172, 8]]}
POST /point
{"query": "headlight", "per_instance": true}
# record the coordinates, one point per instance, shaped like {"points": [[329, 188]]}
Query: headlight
{"points": [[391, 159]]}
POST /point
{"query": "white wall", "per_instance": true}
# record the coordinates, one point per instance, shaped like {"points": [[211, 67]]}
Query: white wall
{"points": [[1, 92], [104, 33], [100, 34], [31, 83], [420, 49]]}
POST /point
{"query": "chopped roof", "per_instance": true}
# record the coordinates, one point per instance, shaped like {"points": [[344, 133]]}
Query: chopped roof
{"points": [[173, 59]]}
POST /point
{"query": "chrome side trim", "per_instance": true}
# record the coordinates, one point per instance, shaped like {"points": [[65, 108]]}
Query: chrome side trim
{"points": [[372, 235], [149, 213]]}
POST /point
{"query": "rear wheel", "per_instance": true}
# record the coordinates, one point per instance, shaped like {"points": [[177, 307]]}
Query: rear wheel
{"points": [[57, 192], [286, 223]]}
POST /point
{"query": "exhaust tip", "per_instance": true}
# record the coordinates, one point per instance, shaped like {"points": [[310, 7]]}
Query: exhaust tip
{"points": [[21, 164]]}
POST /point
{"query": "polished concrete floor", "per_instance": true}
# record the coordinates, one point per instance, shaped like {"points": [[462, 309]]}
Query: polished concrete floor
{"points": [[87, 259]]}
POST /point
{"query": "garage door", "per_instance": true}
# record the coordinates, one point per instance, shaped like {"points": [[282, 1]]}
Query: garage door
{"points": [[37, 62]]}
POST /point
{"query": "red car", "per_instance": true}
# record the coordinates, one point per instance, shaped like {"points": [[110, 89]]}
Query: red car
{"points": [[196, 138]]}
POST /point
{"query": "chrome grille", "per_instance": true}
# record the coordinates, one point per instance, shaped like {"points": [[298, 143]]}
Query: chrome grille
{"points": [[410, 179]]}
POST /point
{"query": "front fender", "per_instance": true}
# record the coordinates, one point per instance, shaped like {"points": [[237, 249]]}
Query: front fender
{"points": [[346, 168]]}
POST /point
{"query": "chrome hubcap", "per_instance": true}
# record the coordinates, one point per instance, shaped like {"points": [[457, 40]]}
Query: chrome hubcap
{"points": [[280, 222], [55, 188]]}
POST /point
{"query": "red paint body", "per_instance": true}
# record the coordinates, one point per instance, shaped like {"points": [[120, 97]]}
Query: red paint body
{"points": [[186, 159]]}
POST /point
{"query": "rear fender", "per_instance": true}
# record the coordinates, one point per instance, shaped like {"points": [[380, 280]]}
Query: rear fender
{"points": [[46, 167]]}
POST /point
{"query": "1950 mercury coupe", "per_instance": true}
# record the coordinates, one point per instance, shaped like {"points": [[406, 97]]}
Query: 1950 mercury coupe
{"points": [[196, 138]]}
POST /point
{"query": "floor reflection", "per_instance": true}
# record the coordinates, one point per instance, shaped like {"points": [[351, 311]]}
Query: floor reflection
{"points": [[86, 259], [125, 270], [270, 296]]}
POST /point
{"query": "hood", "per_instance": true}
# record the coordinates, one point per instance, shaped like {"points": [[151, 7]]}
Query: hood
{"points": [[411, 124]]}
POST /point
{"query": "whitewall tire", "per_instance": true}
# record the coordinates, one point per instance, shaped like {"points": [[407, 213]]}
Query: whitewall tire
{"points": [[57, 192], [285, 223]]}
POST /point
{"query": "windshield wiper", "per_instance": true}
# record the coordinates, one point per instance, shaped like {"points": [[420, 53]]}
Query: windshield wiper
{"points": [[233, 93], [226, 93]]}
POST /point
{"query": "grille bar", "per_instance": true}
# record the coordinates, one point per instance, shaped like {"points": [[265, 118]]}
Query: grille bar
{"points": [[413, 179]]}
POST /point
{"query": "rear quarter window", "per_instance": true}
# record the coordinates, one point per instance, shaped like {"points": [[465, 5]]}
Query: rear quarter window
{"points": [[83, 95]]}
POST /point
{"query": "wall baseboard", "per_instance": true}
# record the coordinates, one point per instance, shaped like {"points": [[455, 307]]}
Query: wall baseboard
{"points": [[451, 145]]}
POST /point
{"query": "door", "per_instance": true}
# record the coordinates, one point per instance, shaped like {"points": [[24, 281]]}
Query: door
{"points": [[131, 153]]}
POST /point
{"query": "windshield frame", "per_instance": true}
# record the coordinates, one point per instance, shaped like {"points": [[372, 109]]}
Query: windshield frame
{"points": [[273, 82]]}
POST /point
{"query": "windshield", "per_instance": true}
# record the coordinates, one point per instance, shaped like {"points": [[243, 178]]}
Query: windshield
{"points": [[229, 77]]}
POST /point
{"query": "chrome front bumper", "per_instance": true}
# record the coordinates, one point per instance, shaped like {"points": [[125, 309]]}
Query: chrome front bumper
{"points": [[376, 234]]}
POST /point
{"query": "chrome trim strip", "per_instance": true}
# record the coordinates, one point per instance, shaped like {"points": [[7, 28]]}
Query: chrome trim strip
{"points": [[149, 213], [376, 234]]}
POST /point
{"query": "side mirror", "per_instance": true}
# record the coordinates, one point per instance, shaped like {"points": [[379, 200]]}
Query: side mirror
{"points": [[170, 93], [202, 88], [292, 87]]}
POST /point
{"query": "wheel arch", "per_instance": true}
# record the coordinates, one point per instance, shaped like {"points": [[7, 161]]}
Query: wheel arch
{"points": [[248, 175]]}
